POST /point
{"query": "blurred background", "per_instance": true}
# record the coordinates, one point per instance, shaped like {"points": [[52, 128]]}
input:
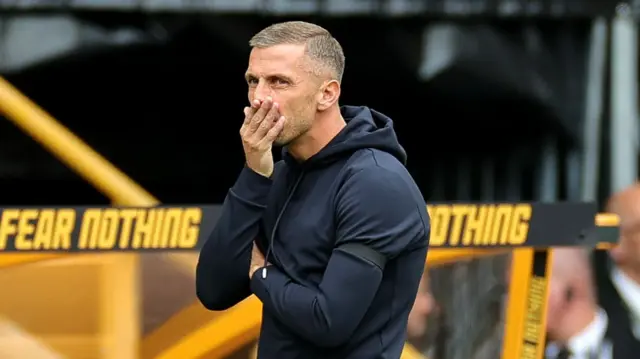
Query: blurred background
{"points": [[494, 100]]}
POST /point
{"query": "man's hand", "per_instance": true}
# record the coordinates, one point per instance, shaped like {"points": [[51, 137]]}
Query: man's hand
{"points": [[262, 125], [257, 260]]}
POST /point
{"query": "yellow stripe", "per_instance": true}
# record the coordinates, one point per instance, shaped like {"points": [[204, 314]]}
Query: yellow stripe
{"points": [[222, 336], [8, 260]]}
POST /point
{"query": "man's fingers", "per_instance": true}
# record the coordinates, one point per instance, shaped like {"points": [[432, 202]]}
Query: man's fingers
{"points": [[275, 130], [256, 253], [248, 114], [268, 121], [260, 114]]}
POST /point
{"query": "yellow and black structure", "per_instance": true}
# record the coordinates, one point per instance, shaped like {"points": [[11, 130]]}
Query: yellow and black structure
{"points": [[137, 223]]}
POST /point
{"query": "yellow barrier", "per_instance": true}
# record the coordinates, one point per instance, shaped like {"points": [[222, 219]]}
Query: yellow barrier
{"points": [[517, 308], [521, 292], [17, 344], [238, 326], [94, 168], [410, 352], [67, 304]]}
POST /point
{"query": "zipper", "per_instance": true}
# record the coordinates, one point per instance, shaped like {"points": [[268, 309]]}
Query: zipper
{"points": [[275, 226]]}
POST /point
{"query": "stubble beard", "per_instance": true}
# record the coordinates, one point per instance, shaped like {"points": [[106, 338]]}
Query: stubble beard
{"points": [[298, 125], [292, 131]]}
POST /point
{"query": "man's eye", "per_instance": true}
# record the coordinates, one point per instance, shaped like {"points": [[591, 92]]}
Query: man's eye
{"points": [[281, 82], [252, 81]]}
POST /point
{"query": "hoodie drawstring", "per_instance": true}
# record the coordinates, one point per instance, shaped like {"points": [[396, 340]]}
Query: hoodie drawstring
{"points": [[275, 226]]}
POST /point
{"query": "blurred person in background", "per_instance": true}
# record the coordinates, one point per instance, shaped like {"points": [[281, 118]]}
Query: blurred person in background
{"points": [[576, 325], [423, 306], [618, 276]]}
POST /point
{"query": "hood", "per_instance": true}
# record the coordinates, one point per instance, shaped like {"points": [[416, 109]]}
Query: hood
{"points": [[365, 128]]}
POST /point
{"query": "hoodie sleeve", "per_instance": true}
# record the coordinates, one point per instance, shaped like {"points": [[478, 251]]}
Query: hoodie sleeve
{"points": [[377, 216], [222, 274]]}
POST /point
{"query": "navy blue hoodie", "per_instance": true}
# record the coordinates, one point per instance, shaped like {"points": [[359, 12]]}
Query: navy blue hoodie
{"points": [[346, 233]]}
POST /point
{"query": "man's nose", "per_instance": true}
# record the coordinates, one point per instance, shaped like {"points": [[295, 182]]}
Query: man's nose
{"points": [[262, 90]]}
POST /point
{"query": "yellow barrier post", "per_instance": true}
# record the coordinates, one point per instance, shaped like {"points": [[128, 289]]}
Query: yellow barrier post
{"points": [[531, 271], [120, 313], [525, 323], [521, 262]]}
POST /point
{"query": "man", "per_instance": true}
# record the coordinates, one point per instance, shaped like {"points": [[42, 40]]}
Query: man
{"points": [[332, 239], [619, 276], [576, 325]]}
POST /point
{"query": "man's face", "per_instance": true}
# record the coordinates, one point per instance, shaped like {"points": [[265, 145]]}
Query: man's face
{"points": [[283, 72]]}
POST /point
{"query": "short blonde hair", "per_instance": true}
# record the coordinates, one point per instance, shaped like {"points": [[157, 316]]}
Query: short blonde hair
{"points": [[320, 45]]}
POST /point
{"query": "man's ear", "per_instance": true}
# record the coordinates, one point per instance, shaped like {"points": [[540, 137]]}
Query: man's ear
{"points": [[329, 95]]}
